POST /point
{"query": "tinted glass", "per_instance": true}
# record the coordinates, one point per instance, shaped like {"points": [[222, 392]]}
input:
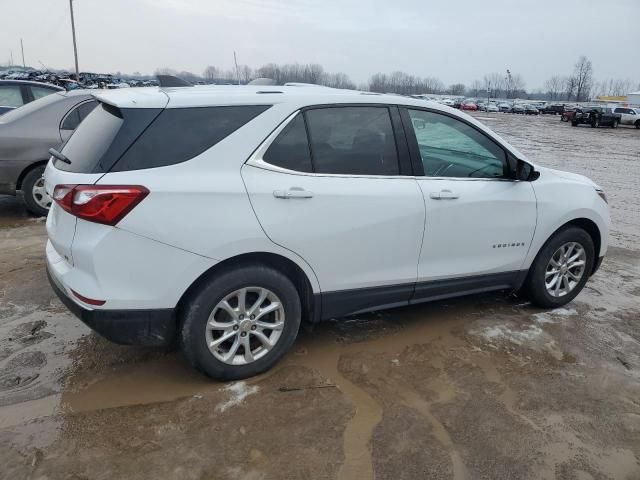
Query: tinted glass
{"points": [[90, 141], [352, 140], [39, 92], [291, 148], [10, 96], [179, 134], [451, 148], [75, 116]]}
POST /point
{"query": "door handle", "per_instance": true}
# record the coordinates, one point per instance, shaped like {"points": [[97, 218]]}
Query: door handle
{"points": [[444, 195], [293, 192]]}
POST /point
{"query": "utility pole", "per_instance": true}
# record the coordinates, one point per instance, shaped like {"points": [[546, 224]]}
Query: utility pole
{"points": [[75, 47], [235, 60], [24, 65]]}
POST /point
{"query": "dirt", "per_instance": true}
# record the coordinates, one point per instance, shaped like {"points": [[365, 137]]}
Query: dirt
{"points": [[483, 387]]}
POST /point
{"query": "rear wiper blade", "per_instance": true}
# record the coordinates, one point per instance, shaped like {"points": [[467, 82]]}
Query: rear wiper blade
{"points": [[56, 154]]}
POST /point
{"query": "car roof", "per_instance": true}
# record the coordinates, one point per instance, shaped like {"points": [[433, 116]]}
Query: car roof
{"points": [[218, 95], [28, 82], [295, 96]]}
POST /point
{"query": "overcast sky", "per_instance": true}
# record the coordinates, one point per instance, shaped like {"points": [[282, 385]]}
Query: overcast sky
{"points": [[454, 40]]}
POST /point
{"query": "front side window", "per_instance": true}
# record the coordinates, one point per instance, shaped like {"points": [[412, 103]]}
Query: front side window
{"points": [[451, 148], [352, 141], [10, 96], [290, 149]]}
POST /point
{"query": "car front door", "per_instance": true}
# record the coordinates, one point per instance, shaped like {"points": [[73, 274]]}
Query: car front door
{"points": [[334, 186], [479, 222]]}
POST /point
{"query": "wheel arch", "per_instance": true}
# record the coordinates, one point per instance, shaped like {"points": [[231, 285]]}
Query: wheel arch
{"points": [[588, 226], [26, 170], [310, 305]]}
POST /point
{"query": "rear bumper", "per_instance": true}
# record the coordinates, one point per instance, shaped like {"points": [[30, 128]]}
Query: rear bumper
{"points": [[153, 328]]}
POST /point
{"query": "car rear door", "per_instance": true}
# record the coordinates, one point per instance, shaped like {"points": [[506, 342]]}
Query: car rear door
{"points": [[334, 186], [479, 222]]}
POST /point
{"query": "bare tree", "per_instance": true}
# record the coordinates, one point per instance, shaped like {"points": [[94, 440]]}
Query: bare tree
{"points": [[570, 87], [476, 88], [457, 89], [211, 73], [554, 87], [582, 78], [495, 82]]}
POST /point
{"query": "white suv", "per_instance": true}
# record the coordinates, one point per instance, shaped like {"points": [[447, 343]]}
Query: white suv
{"points": [[223, 217]]}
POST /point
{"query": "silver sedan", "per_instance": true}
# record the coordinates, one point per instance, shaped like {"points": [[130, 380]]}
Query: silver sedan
{"points": [[26, 135]]}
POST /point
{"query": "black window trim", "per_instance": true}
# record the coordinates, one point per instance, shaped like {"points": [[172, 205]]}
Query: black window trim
{"points": [[416, 159], [72, 109], [402, 149]]}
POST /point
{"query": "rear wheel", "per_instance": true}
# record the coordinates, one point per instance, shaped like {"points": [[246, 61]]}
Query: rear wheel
{"points": [[35, 197], [574, 124], [561, 268], [615, 124], [595, 123], [240, 322]]}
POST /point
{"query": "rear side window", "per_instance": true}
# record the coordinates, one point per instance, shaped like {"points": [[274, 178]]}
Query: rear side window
{"points": [[73, 119], [113, 139], [90, 141], [290, 149], [39, 92], [352, 141], [179, 134]]}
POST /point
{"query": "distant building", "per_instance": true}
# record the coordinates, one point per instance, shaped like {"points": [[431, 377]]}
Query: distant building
{"points": [[633, 98]]}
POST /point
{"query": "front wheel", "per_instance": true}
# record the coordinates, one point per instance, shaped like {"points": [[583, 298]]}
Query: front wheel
{"points": [[561, 268], [240, 322], [35, 197]]}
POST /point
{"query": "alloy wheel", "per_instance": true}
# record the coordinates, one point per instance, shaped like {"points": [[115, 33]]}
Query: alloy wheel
{"points": [[40, 195], [245, 325], [565, 269]]}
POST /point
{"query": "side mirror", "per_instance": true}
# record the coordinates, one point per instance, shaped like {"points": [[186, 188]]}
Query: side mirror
{"points": [[525, 172]]}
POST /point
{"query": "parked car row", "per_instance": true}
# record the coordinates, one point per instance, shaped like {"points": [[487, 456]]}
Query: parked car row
{"points": [[68, 81]]}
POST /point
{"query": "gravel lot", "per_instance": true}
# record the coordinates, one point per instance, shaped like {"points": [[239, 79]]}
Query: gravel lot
{"points": [[484, 387]]}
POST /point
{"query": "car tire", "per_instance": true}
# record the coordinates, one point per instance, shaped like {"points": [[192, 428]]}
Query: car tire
{"points": [[35, 198], [205, 303], [595, 123], [542, 269], [574, 124], [637, 123], [614, 124]]}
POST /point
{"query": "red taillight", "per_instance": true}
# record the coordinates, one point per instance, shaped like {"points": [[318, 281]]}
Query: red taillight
{"points": [[107, 204], [87, 300]]}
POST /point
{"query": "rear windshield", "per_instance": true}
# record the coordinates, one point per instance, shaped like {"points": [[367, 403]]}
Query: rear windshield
{"points": [[112, 139]]}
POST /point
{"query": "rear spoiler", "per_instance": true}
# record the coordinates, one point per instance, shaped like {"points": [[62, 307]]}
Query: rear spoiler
{"points": [[172, 81]]}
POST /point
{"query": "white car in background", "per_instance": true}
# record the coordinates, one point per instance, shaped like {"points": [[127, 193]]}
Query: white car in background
{"points": [[628, 116], [224, 217]]}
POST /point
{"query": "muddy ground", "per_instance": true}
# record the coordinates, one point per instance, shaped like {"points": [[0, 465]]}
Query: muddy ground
{"points": [[485, 387]]}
